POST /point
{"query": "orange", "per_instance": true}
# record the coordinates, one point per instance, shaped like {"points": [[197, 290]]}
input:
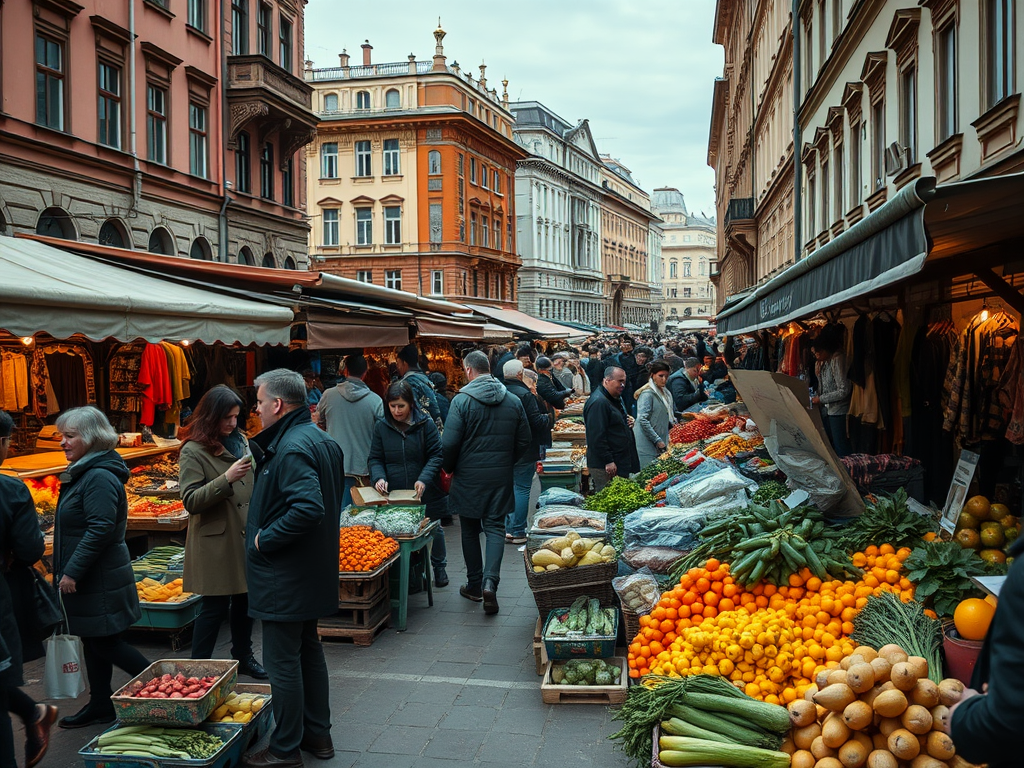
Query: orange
{"points": [[711, 599], [973, 617], [886, 549], [702, 585], [978, 506], [712, 564]]}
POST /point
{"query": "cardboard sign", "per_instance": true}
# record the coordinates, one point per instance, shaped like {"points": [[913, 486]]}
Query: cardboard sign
{"points": [[784, 401], [962, 478]]}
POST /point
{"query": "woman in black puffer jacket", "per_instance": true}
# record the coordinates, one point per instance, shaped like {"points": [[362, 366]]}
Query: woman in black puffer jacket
{"points": [[405, 454]]}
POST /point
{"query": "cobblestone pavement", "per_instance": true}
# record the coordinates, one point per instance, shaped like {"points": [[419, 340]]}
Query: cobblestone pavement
{"points": [[457, 688]]}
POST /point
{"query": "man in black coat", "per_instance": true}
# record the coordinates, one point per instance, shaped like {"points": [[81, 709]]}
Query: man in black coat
{"points": [[548, 388], [486, 435], [611, 449], [292, 565], [986, 724], [686, 386], [526, 467], [626, 360]]}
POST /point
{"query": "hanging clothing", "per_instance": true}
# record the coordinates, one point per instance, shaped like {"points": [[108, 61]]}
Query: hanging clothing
{"points": [[1011, 395], [67, 377], [153, 376], [14, 381]]}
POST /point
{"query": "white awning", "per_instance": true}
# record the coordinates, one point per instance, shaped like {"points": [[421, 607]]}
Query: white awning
{"points": [[47, 289], [531, 326]]}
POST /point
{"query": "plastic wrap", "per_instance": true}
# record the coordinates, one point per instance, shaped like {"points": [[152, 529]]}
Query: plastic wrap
{"points": [[399, 520], [356, 515], [672, 527], [712, 486], [657, 559], [554, 519], [808, 472], [560, 496], [639, 592]]}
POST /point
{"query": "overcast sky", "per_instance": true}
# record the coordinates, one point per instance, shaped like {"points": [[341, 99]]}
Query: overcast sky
{"points": [[641, 72]]}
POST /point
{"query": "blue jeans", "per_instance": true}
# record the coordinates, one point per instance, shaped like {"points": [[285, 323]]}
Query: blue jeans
{"points": [[840, 440], [346, 497], [477, 568], [438, 549], [522, 475]]}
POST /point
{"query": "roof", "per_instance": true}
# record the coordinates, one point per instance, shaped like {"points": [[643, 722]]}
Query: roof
{"points": [[51, 290], [668, 200], [531, 326]]}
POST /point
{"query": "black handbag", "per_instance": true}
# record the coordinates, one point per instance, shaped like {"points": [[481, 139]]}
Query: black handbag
{"points": [[46, 604]]}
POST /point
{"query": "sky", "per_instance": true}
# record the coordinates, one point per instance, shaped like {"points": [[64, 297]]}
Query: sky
{"points": [[642, 71]]}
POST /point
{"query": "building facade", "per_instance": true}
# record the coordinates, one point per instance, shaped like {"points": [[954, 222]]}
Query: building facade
{"points": [[631, 295], [413, 186], [113, 128], [687, 256], [558, 204]]}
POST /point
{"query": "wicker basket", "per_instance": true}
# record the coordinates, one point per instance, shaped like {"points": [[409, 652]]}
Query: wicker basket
{"points": [[630, 623], [558, 589]]}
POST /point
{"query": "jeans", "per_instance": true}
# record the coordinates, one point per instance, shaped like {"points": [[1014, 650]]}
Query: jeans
{"points": [[438, 549], [294, 660], [102, 654], [477, 569], [840, 440], [522, 475], [216, 608], [346, 496]]}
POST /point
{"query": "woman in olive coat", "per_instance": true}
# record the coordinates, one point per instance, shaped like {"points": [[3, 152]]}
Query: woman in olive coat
{"points": [[91, 562], [216, 479]]}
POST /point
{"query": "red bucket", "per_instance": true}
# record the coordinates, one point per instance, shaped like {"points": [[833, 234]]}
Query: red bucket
{"points": [[961, 654]]}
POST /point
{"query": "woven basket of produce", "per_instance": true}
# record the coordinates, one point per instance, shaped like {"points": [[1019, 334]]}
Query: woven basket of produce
{"points": [[556, 577]]}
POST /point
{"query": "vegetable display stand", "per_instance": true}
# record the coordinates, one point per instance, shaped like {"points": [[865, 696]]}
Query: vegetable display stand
{"points": [[585, 694], [178, 712], [227, 756], [364, 606], [540, 653], [406, 546], [558, 589]]}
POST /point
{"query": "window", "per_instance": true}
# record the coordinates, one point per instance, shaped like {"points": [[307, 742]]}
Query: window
{"points": [[331, 102], [243, 164], [822, 34], [364, 226], [392, 225], [111, 234], [878, 143], [269, 261], [433, 162], [264, 20], [364, 276], [999, 49], [675, 295], [49, 83], [363, 165], [837, 181], [485, 240], [808, 48], [160, 241], [855, 140], [472, 170], [497, 182], [686, 268], [483, 175], [197, 14], [267, 172], [437, 282], [110, 105], [497, 235], [156, 124], [393, 279], [436, 222], [687, 293], [330, 226], [946, 90], [837, 18], [363, 100], [329, 161], [240, 27], [673, 270], [392, 99], [908, 112], [288, 183], [198, 143], [284, 35], [825, 210], [392, 167], [703, 268], [472, 233]]}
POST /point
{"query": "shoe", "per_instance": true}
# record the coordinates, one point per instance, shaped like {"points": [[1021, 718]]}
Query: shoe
{"points": [[471, 593], [90, 714], [249, 666], [447, 520], [320, 747], [490, 593], [518, 539], [508, 538], [38, 734], [264, 758], [440, 578]]}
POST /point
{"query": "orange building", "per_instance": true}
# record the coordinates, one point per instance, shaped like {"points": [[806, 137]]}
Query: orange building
{"points": [[411, 181]]}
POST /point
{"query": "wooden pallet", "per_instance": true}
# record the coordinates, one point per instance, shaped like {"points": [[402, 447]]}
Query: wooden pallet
{"points": [[540, 653], [585, 694], [352, 592], [359, 623]]}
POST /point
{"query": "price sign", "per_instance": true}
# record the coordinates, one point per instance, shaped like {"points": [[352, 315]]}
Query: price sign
{"points": [[962, 477]]}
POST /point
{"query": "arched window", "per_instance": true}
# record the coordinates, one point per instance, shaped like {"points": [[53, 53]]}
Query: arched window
{"points": [[56, 222], [160, 241], [269, 261], [673, 269], [245, 256], [686, 268], [703, 267], [289, 263], [201, 250], [331, 102], [392, 99], [363, 100], [113, 233], [433, 162]]}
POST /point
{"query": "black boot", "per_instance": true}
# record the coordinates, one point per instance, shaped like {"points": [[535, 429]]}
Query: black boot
{"points": [[91, 714], [490, 595], [440, 578], [471, 593], [249, 666]]}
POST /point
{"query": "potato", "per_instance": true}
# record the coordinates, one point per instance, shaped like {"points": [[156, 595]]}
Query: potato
{"points": [[925, 693], [869, 653], [940, 746], [858, 716], [836, 676], [940, 719], [836, 697], [860, 678], [828, 762], [834, 731], [802, 758], [888, 725], [802, 713], [852, 754], [882, 667], [820, 750], [851, 661], [904, 744], [882, 758], [903, 676], [920, 665], [951, 691], [917, 719], [890, 703]]}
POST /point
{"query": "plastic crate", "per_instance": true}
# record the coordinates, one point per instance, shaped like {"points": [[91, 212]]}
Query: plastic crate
{"points": [[176, 712], [226, 757], [578, 646], [258, 726], [169, 615]]}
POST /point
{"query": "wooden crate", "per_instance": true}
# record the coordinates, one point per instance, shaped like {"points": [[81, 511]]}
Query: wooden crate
{"points": [[585, 694], [359, 622], [540, 653], [353, 592]]}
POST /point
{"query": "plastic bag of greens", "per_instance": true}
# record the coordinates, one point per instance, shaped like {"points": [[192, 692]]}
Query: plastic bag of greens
{"points": [[356, 515], [399, 520]]}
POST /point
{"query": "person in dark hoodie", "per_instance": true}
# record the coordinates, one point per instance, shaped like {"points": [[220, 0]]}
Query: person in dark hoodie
{"points": [[526, 467], [986, 724], [486, 434], [408, 363], [92, 567], [405, 455]]}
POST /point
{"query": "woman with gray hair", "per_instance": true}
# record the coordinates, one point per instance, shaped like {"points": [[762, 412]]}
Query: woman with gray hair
{"points": [[91, 562]]}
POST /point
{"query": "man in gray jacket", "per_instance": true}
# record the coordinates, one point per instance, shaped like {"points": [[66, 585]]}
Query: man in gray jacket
{"points": [[348, 412]]}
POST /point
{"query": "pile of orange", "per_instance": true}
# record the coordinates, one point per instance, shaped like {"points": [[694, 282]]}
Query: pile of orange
{"points": [[363, 549]]}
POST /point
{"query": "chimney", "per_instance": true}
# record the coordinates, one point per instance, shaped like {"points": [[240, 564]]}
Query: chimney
{"points": [[343, 57], [366, 53], [439, 65], [483, 75]]}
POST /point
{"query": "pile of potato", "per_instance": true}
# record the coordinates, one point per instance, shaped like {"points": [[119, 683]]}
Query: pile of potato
{"points": [[877, 709], [569, 551]]}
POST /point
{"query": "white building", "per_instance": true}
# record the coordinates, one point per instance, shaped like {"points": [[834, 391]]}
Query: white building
{"points": [[687, 253], [558, 204]]}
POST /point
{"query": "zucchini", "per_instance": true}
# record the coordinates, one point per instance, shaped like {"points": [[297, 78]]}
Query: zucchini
{"points": [[770, 717], [676, 727], [576, 613], [684, 751], [741, 734]]}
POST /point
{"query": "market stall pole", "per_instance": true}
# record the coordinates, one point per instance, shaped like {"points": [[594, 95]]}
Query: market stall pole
{"points": [[407, 546], [364, 606]]}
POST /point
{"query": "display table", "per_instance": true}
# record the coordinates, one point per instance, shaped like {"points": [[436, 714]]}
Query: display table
{"points": [[407, 545], [54, 462]]}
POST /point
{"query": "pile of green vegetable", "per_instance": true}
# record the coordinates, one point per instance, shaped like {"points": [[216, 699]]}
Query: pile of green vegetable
{"points": [[586, 616], [670, 465], [772, 543], [722, 722], [941, 572], [153, 741], [885, 619], [620, 497], [888, 519], [585, 672], [769, 491]]}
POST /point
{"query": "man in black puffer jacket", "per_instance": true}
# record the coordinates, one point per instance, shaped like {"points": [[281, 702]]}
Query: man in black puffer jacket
{"points": [[611, 448], [292, 565], [526, 467]]}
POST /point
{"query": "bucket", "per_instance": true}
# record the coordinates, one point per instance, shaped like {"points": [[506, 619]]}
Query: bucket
{"points": [[961, 654]]}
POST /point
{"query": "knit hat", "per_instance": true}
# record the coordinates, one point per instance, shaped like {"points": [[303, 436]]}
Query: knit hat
{"points": [[409, 355]]}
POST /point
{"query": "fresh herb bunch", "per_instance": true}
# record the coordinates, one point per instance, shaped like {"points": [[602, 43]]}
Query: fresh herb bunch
{"points": [[621, 495], [769, 491], [889, 519], [885, 619], [670, 466], [942, 571]]}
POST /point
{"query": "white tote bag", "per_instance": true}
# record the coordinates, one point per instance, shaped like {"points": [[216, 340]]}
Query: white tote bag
{"points": [[63, 676]]}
